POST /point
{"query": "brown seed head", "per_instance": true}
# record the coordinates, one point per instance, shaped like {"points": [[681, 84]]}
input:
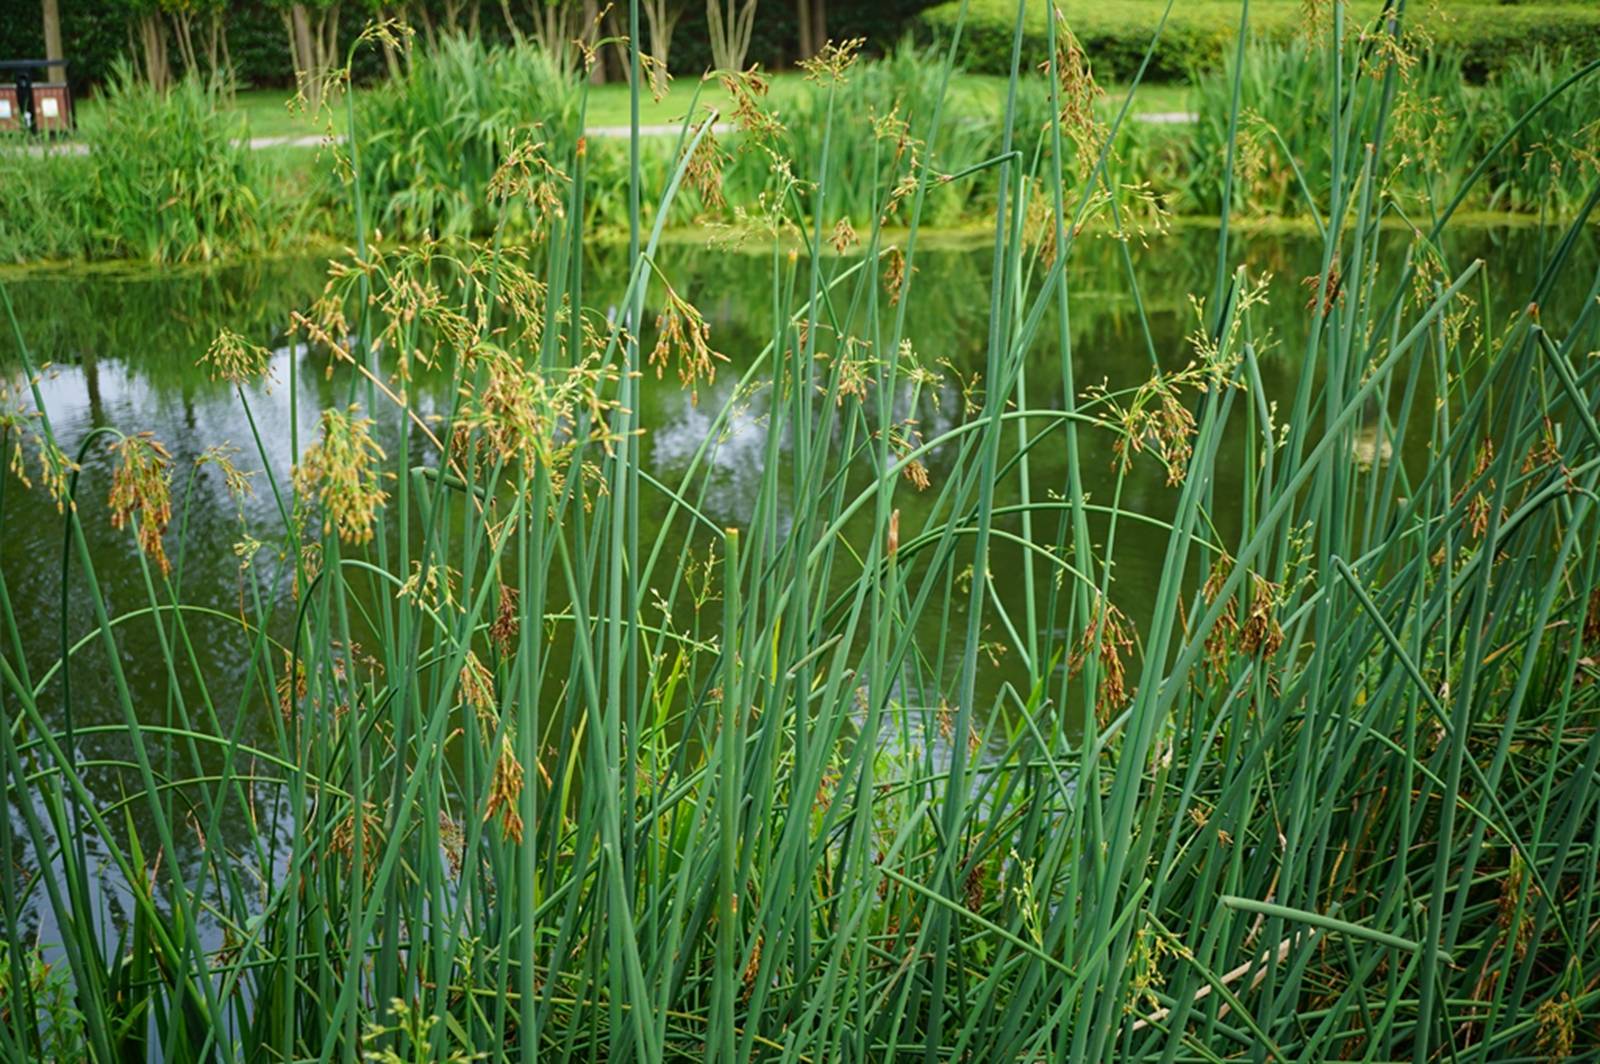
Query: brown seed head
{"points": [[142, 486]]}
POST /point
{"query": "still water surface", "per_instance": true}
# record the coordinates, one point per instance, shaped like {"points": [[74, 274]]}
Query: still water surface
{"points": [[122, 350]]}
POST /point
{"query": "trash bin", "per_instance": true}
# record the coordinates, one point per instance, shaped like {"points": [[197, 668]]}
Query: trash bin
{"points": [[52, 107], [10, 109], [34, 107]]}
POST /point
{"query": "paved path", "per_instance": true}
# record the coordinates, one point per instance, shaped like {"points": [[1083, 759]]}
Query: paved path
{"points": [[1167, 118], [1156, 118]]}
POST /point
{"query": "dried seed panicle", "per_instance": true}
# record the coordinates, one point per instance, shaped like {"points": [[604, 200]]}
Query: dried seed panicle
{"points": [[1261, 632], [477, 687], [683, 331], [141, 486], [237, 480], [1106, 638], [238, 361], [843, 236], [341, 469], [1558, 1024], [705, 164], [18, 424], [833, 61], [747, 89], [1221, 637], [506, 625], [505, 792], [528, 175], [894, 273]]}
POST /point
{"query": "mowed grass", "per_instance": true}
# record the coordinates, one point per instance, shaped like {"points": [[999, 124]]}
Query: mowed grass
{"points": [[273, 113]]}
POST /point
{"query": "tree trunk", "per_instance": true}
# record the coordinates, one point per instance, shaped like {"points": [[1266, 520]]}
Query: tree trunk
{"points": [[153, 45], [591, 33], [615, 63], [431, 38], [220, 58], [391, 59], [662, 18], [730, 23], [511, 22], [52, 40], [313, 44], [183, 33], [802, 18], [305, 57], [328, 41]]}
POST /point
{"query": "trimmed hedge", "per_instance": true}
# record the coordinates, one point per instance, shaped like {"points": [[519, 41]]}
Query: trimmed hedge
{"points": [[1199, 33]]}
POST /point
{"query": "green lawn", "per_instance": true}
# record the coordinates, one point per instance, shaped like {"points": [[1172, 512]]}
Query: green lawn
{"points": [[261, 113], [266, 112], [969, 94]]}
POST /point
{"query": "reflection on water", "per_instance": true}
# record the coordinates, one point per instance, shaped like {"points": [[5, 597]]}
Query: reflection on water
{"points": [[736, 455], [122, 351]]}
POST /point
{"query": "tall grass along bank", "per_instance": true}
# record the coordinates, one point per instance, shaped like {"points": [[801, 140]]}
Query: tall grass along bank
{"points": [[526, 754], [162, 179]]}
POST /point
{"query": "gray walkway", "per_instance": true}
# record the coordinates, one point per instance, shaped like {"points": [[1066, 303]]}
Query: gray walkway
{"points": [[1157, 118]]}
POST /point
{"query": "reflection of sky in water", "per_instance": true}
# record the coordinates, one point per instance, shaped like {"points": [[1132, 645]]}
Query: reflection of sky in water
{"points": [[679, 428], [194, 419]]}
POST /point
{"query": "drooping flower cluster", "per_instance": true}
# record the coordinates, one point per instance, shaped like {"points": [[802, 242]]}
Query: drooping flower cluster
{"points": [[341, 469], [1106, 638], [682, 331], [141, 487], [236, 360]]}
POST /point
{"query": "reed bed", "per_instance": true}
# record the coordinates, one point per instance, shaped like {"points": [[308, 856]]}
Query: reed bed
{"points": [[164, 180], [560, 766]]}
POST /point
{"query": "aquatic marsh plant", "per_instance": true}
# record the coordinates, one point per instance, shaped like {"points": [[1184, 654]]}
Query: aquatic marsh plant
{"points": [[169, 181], [1552, 158], [624, 782], [141, 489], [343, 471], [433, 141]]}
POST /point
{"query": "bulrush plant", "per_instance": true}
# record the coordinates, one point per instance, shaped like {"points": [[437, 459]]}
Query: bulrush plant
{"points": [[611, 780], [163, 178]]}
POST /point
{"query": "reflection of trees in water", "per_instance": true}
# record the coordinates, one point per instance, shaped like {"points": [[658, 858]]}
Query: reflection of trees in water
{"points": [[161, 319]]}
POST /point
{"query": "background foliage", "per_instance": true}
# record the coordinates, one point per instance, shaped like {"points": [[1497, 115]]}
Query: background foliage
{"points": [[1198, 33]]}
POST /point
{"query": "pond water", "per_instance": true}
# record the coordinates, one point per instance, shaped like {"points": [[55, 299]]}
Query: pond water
{"points": [[122, 347]]}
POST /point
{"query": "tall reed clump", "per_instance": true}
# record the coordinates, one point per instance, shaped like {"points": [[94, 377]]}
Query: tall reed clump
{"points": [[1549, 161], [169, 183], [436, 136], [1282, 163], [1440, 129], [41, 203], [872, 119], [555, 763], [163, 180], [860, 129]]}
